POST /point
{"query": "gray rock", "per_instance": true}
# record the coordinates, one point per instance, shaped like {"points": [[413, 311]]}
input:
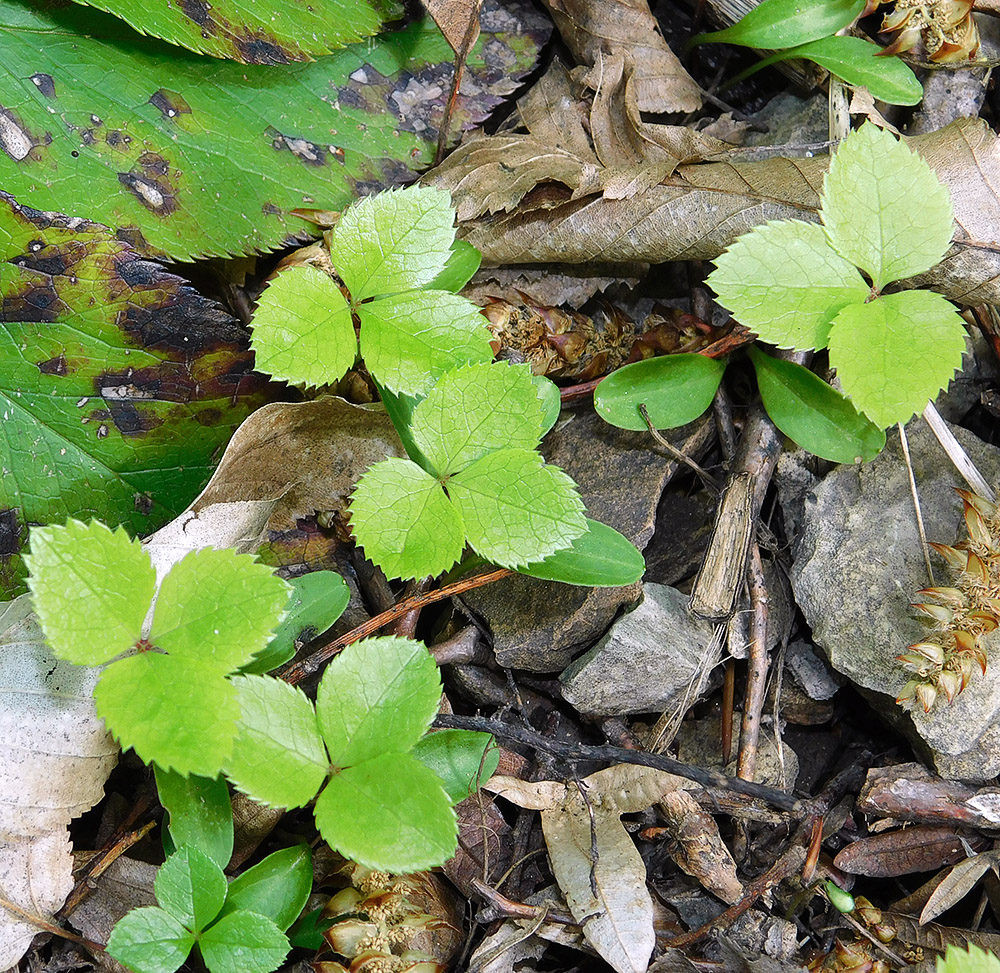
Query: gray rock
{"points": [[858, 566], [541, 625], [646, 661]]}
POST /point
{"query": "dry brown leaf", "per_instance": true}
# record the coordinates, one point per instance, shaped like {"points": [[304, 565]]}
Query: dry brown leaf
{"points": [[553, 111], [458, 20], [921, 848], [703, 208], [594, 27], [958, 883]]}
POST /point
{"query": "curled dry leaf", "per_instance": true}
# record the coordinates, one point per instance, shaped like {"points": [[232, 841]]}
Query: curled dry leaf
{"points": [[958, 883]]}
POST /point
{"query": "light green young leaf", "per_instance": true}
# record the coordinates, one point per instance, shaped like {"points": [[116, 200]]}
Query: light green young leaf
{"points": [[218, 607], [200, 813], [816, 416], [463, 262], [969, 960], [150, 940], [475, 409], [191, 887], [600, 558], [243, 942], [409, 340], [390, 813], [403, 520], [302, 329], [785, 23], [88, 615], [784, 281], [176, 712], [394, 241], [517, 509], [277, 887], [883, 207], [463, 759], [378, 696], [278, 757], [675, 389], [895, 353], [317, 600], [551, 400]]}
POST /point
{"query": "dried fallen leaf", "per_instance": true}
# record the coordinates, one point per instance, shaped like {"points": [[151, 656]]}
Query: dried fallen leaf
{"points": [[921, 848], [458, 20], [958, 883]]}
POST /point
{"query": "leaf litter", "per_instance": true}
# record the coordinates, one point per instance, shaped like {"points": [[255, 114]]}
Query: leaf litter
{"points": [[584, 849]]}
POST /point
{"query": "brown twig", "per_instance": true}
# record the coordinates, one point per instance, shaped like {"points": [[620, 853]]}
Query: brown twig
{"points": [[728, 707], [406, 625], [518, 910], [295, 672], [47, 926], [461, 56], [757, 665]]}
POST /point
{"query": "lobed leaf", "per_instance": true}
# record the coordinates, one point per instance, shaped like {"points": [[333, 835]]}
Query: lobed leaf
{"points": [[896, 352], [218, 607], [88, 615], [600, 558], [883, 207], [410, 340], [393, 241], [200, 814], [403, 520], [517, 509], [812, 413], [243, 942], [175, 712], [191, 887], [303, 332], [389, 813], [277, 887], [278, 757], [786, 23], [150, 940], [476, 409], [463, 759], [785, 282], [378, 696], [244, 31]]}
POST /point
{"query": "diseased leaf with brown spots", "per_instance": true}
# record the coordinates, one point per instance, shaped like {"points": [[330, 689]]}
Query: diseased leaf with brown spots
{"points": [[251, 32], [186, 155], [118, 384]]}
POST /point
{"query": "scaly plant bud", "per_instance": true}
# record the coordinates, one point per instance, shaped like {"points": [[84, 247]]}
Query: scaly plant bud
{"points": [[926, 695], [951, 683], [954, 558]]}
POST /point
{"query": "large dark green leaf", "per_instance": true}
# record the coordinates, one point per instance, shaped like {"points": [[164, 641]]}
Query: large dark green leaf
{"points": [[786, 23], [117, 383], [252, 32], [186, 155]]}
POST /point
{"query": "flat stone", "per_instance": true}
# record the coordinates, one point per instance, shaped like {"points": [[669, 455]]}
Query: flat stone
{"points": [[540, 625], [646, 661], [858, 566]]}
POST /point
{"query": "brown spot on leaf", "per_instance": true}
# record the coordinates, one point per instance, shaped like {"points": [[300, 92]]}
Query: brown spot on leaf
{"points": [[138, 273], [133, 236], [87, 136], [143, 504], [209, 417], [269, 209], [53, 366], [45, 84], [10, 533], [197, 10], [36, 301], [308, 152], [45, 261], [129, 421], [118, 139], [259, 50], [169, 103], [155, 194], [154, 164], [15, 139]]}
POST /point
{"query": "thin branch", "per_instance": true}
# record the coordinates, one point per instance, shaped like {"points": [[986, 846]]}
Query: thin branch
{"points": [[925, 550]]}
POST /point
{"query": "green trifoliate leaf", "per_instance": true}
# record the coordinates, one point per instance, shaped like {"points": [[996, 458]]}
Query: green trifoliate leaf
{"points": [[276, 888], [278, 757], [409, 340], [378, 696], [403, 520], [463, 759], [463, 262], [150, 940], [317, 600], [394, 241], [785, 23], [784, 281], [243, 942], [302, 329], [474, 410], [816, 416], [190, 886], [86, 611], [200, 813], [390, 813], [218, 607], [883, 207], [516, 509], [551, 400], [178, 713], [895, 353], [675, 389], [969, 960], [600, 558]]}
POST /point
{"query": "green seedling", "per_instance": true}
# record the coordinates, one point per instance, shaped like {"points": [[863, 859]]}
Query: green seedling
{"points": [[808, 31], [239, 928]]}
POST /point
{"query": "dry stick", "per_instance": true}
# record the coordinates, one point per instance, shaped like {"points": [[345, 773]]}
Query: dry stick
{"points": [[728, 708], [519, 910], [461, 56], [46, 926], [956, 453], [406, 625], [677, 454], [905, 444], [295, 672], [576, 752], [757, 665]]}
